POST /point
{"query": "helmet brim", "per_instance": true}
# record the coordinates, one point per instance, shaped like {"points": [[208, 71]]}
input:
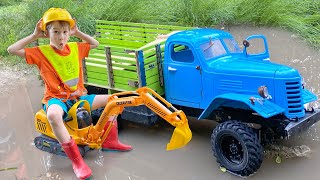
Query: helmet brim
{"points": [[70, 21]]}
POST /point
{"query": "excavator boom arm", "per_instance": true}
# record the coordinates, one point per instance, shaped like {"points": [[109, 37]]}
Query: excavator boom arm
{"points": [[146, 96]]}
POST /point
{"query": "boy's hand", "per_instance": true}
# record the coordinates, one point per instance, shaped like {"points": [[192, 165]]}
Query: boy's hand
{"points": [[74, 30], [38, 31]]}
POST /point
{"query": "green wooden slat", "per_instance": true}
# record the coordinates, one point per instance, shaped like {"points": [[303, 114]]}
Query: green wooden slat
{"points": [[148, 54], [98, 51], [152, 79], [124, 87], [117, 49], [135, 29], [96, 56], [122, 43], [101, 49], [127, 59], [116, 60], [96, 67], [150, 60], [105, 32], [151, 72], [122, 73], [96, 61], [115, 23], [157, 87], [123, 54], [122, 80], [99, 76], [124, 66], [128, 38], [153, 65], [97, 81]]}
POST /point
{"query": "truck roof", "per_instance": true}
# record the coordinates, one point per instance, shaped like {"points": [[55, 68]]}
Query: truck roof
{"points": [[199, 35]]}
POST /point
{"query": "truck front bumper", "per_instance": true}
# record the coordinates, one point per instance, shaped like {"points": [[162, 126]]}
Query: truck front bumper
{"points": [[303, 124]]}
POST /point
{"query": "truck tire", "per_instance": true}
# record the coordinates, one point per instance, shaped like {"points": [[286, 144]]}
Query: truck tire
{"points": [[236, 148]]}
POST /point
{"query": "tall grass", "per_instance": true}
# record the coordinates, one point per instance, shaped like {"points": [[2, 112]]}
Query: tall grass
{"points": [[12, 25], [299, 16]]}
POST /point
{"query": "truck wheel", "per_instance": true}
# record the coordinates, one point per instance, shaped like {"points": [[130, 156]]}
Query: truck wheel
{"points": [[237, 148]]}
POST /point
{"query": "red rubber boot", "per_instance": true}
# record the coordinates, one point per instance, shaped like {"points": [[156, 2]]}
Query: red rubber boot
{"points": [[80, 168], [112, 142]]}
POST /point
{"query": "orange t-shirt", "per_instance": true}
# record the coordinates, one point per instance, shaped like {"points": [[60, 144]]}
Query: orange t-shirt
{"points": [[47, 72]]}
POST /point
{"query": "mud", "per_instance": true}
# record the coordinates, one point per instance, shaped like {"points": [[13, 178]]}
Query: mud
{"points": [[21, 93]]}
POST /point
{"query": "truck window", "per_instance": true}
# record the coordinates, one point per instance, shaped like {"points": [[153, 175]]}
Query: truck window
{"points": [[232, 45], [181, 53], [212, 49]]}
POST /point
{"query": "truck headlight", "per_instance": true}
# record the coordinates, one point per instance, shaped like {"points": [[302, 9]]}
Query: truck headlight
{"points": [[263, 92]]}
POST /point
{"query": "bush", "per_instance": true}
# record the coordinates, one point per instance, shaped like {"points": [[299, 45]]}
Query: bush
{"points": [[9, 2], [301, 17], [13, 27]]}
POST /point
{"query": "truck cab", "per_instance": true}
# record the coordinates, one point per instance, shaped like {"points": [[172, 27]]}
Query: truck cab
{"points": [[201, 65], [254, 99]]}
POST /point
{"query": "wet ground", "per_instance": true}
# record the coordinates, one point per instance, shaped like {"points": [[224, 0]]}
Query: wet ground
{"points": [[20, 99]]}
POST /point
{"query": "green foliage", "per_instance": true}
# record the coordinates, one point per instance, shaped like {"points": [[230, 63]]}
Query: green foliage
{"points": [[13, 26], [9, 2], [301, 17]]}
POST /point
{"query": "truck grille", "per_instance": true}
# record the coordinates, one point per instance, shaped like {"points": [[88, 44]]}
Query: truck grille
{"points": [[295, 106]]}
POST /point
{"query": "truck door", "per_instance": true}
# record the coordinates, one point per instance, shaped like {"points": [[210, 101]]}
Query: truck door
{"points": [[182, 75], [258, 48]]}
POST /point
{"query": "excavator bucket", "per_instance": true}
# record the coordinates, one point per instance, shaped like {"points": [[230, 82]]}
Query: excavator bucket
{"points": [[180, 137]]}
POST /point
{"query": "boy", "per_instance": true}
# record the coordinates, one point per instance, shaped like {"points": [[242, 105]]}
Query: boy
{"points": [[60, 66]]}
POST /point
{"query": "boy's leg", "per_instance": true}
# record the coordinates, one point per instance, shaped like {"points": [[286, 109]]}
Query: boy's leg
{"points": [[55, 116], [55, 112], [112, 142], [98, 101]]}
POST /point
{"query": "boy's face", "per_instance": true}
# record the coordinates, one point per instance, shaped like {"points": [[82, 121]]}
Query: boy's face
{"points": [[59, 33]]}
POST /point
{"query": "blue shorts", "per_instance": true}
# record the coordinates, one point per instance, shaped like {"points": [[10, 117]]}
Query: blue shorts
{"points": [[69, 103]]}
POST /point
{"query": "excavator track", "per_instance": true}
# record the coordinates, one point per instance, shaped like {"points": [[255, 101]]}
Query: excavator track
{"points": [[48, 144]]}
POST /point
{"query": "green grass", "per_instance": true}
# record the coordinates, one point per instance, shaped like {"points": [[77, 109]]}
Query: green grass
{"points": [[299, 16]]}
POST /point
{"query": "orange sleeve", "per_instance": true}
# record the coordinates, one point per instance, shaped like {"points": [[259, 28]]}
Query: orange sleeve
{"points": [[34, 56], [84, 49]]}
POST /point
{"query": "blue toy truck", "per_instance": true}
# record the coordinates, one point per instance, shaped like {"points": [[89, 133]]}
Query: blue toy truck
{"points": [[205, 73]]}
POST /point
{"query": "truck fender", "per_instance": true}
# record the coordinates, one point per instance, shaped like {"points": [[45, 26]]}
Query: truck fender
{"points": [[308, 96], [263, 107]]}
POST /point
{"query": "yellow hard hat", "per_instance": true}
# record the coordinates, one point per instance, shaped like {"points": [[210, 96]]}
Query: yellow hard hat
{"points": [[56, 14]]}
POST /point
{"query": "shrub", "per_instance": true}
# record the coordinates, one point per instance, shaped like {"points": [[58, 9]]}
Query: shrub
{"points": [[13, 27]]}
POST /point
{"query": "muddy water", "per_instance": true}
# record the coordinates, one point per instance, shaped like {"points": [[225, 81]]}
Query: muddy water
{"points": [[299, 157]]}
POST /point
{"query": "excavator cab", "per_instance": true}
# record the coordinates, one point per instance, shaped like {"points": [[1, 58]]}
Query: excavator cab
{"points": [[90, 136]]}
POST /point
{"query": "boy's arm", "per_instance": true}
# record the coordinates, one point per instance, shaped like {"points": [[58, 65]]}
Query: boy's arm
{"points": [[85, 37], [18, 47]]}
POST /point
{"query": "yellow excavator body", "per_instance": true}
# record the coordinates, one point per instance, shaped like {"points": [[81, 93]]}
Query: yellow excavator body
{"points": [[94, 135]]}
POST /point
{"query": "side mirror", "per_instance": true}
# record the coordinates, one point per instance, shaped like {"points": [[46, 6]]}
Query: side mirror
{"points": [[246, 43]]}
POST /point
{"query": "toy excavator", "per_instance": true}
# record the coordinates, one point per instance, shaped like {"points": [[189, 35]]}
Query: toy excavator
{"points": [[92, 136]]}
